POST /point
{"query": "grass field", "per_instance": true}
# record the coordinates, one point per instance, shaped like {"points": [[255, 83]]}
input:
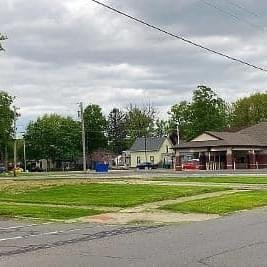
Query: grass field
{"points": [[226, 179], [222, 205], [45, 212], [109, 195]]}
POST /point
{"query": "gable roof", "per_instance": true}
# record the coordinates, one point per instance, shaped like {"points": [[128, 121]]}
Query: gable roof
{"points": [[151, 144], [252, 136]]}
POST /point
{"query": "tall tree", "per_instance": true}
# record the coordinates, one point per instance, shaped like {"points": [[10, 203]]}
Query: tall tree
{"points": [[95, 128], [6, 121], [162, 128], [140, 121], [117, 131], [53, 137], [181, 114], [206, 112], [249, 110]]}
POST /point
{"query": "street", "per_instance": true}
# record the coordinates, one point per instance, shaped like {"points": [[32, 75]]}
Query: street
{"points": [[236, 240], [136, 174]]}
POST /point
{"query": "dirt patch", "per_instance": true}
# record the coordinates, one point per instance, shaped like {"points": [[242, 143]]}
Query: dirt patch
{"points": [[152, 217]]}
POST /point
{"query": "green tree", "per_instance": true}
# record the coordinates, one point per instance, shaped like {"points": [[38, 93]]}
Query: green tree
{"points": [[117, 131], [206, 112], [249, 110], [95, 128], [181, 114], [53, 137], [6, 121], [140, 121], [162, 128]]}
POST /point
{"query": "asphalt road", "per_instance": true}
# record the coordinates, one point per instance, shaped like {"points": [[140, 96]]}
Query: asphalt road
{"points": [[238, 240], [135, 174]]}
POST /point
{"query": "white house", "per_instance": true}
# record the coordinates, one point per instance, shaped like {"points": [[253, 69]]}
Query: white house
{"points": [[156, 150]]}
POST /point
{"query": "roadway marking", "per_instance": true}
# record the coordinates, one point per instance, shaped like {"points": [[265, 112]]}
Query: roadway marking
{"points": [[21, 226], [46, 233]]}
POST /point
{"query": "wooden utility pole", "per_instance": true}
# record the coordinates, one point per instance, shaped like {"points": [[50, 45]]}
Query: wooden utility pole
{"points": [[16, 115]]}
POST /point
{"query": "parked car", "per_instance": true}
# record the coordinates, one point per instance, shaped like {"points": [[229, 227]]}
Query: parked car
{"points": [[2, 169], [146, 166], [191, 165]]}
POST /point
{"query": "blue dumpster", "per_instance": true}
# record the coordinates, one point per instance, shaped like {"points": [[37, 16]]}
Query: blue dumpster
{"points": [[101, 167]]}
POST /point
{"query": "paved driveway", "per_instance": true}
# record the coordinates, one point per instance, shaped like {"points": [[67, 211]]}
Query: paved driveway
{"points": [[238, 240]]}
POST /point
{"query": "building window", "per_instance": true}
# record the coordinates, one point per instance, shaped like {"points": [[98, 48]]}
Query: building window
{"points": [[138, 160], [167, 149], [152, 159]]}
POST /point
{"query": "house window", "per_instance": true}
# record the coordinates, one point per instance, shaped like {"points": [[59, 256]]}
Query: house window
{"points": [[167, 149], [152, 159], [138, 160]]}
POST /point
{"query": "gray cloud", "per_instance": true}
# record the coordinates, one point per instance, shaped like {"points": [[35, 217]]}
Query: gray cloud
{"points": [[59, 54]]}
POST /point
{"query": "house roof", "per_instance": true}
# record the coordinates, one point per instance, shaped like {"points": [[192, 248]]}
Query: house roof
{"points": [[258, 131], [151, 144], [255, 136]]}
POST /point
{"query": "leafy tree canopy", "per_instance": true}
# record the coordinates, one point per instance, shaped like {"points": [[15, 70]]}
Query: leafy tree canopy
{"points": [[205, 112], [162, 128], [53, 137], [95, 128], [117, 131], [249, 110], [6, 117], [139, 121]]}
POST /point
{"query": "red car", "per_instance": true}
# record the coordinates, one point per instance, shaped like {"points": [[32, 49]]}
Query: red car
{"points": [[191, 165]]}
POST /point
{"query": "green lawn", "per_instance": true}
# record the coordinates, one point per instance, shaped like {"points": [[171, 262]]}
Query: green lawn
{"points": [[220, 179], [110, 195], [223, 204], [45, 212]]}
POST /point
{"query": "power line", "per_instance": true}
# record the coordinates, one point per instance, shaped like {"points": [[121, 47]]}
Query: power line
{"points": [[243, 8], [230, 14], [180, 37]]}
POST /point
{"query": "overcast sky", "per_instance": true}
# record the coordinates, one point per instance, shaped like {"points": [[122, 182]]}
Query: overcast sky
{"points": [[61, 52]]}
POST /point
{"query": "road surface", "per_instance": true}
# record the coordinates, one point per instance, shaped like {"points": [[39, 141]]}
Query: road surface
{"points": [[237, 240]]}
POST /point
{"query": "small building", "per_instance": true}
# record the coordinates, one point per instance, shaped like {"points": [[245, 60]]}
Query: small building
{"points": [[124, 160], [156, 150], [245, 149]]}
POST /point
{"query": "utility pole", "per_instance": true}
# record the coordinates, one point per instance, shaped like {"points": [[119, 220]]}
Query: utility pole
{"points": [[178, 166], [2, 38], [178, 134], [81, 115], [146, 148], [24, 151], [16, 115], [24, 154]]}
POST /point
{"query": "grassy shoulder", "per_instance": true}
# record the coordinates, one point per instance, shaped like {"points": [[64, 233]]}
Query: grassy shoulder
{"points": [[219, 179], [223, 204], [47, 213], [109, 195]]}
